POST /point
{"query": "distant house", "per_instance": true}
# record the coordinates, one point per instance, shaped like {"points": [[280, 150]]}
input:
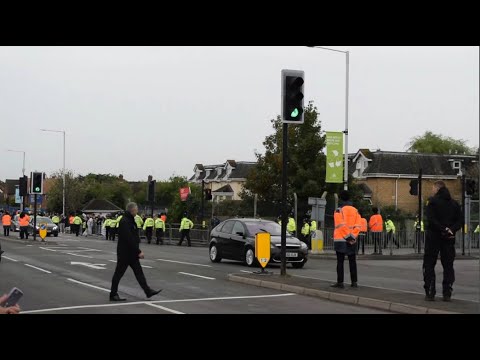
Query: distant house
{"points": [[385, 175], [225, 180]]}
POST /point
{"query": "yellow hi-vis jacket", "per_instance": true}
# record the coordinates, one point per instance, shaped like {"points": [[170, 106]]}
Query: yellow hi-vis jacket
{"points": [[305, 229], [159, 224], [148, 223], [138, 221], [390, 226], [291, 226], [186, 224]]}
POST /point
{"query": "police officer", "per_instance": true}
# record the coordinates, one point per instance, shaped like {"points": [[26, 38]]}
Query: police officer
{"points": [[113, 228], [148, 228], [106, 226], [306, 233], [185, 227], [363, 235], [56, 220], [139, 222], [159, 229], [291, 225], [390, 228], [347, 228], [422, 232], [444, 220], [77, 222]]}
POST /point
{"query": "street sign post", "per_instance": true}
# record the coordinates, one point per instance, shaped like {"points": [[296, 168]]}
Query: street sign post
{"points": [[262, 249]]}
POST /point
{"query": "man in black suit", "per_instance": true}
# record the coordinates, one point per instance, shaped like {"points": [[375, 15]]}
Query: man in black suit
{"points": [[129, 254]]}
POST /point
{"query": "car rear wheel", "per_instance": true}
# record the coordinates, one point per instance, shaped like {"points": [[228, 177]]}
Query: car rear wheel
{"points": [[250, 257], [298, 265], [214, 256]]}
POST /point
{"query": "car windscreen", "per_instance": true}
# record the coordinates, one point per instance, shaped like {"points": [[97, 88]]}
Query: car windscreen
{"points": [[258, 226], [42, 220]]}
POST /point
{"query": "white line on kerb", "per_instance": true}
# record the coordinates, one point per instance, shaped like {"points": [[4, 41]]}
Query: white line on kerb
{"points": [[41, 247], [48, 272], [89, 285], [6, 257], [164, 308], [183, 262], [245, 271], [200, 276], [90, 257], [154, 302]]}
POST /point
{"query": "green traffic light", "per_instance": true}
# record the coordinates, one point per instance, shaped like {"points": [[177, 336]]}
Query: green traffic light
{"points": [[294, 113], [37, 189]]}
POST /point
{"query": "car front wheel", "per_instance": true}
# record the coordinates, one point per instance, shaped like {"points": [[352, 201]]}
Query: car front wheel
{"points": [[214, 256]]}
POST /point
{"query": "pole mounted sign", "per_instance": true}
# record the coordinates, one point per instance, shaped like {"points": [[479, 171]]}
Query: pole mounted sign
{"points": [[334, 173]]}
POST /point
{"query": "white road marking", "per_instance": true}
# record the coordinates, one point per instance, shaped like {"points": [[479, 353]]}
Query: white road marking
{"points": [[93, 266], [146, 266], [44, 248], [164, 308], [200, 276], [48, 272], [90, 257], [114, 261], [6, 257], [89, 285], [150, 302], [182, 262], [245, 271], [29, 245], [383, 288], [90, 249]]}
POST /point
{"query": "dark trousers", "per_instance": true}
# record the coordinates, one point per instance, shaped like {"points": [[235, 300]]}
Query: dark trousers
{"points": [[185, 233], [77, 229], [307, 240], [23, 231], [6, 230], [122, 265], [159, 235], [377, 240], [112, 233], [353, 267], [390, 237], [107, 232], [433, 245], [149, 233], [361, 242]]}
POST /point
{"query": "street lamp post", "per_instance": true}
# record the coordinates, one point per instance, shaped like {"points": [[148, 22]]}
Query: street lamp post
{"points": [[347, 85], [23, 173], [61, 131]]}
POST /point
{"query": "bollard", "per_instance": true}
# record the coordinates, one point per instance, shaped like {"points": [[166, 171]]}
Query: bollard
{"points": [[317, 242]]}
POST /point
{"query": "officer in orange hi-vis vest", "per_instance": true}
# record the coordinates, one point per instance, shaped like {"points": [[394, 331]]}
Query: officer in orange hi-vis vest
{"points": [[362, 235], [347, 228], [376, 229]]}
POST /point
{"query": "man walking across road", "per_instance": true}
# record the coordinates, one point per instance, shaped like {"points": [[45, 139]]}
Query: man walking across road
{"points": [[129, 254], [444, 219], [185, 227], [347, 228]]}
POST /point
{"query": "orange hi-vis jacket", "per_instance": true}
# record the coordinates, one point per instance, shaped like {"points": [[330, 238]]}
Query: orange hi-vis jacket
{"points": [[70, 219], [6, 220], [347, 224], [376, 223], [24, 221], [363, 225]]}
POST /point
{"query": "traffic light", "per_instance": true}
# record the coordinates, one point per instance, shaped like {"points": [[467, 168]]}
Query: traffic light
{"points": [[470, 187], [36, 183], [23, 188], [413, 187], [151, 190], [208, 194], [292, 96]]}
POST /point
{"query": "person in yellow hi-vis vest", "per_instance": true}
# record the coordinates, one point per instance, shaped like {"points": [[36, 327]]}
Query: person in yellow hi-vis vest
{"points": [[390, 228], [306, 233], [113, 228], [159, 229], [291, 225], [106, 226], [139, 221], [148, 228], [185, 227], [77, 221]]}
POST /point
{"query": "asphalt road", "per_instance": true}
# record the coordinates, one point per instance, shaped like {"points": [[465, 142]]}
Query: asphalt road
{"points": [[73, 275]]}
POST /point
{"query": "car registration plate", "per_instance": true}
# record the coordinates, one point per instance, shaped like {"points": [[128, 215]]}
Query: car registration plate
{"points": [[292, 254]]}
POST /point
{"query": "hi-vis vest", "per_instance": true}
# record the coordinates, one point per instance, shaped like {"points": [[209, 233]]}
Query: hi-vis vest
{"points": [[347, 223], [139, 221], [107, 223], [390, 226], [186, 224], [422, 229], [291, 226], [148, 223], [159, 224], [55, 219], [117, 222], [363, 225], [305, 229], [313, 227], [376, 223], [77, 220]]}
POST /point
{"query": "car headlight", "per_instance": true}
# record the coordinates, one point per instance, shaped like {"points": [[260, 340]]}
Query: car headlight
{"points": [[55, 228], [36, 227], [272, 246], [304, 246]]}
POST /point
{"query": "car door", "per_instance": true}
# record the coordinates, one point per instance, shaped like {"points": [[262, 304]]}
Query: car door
{"points": [[226, 239], [237, 240]]}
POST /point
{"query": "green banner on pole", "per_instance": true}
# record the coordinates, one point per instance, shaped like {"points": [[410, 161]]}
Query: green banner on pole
{"points": [[334, 157]]}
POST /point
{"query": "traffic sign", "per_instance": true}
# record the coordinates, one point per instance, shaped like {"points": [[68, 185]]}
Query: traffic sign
{"points": [[43, 231], [262, 248]]}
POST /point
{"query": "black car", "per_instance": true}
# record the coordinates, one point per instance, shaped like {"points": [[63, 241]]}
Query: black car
{"points": [[52, 229], [234, 239], [15, 226]]}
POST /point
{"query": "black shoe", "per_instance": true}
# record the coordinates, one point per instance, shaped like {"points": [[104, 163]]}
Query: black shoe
{"points": [[151, 293], [447, 297], [354, 285], [179, 244], [429, 297], [338, 285], [116, 298]]}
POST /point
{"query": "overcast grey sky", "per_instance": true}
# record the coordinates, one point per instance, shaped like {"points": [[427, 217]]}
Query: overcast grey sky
{"points": [[160, 110]]}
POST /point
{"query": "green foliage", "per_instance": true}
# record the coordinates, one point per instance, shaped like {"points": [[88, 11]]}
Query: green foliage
{"points": [[438, 144]]}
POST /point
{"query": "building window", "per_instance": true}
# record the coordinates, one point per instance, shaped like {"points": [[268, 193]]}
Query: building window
{"points": [[457, 165]]}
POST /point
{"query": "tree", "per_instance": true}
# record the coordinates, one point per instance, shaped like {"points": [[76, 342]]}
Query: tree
{"points": [[431, 143], [74, 193], [306, 163]]}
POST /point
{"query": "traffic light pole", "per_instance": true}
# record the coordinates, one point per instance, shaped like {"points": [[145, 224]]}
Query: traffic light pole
{"points": [[283, 251], [35, 219], [419, 223], [203, 201]]}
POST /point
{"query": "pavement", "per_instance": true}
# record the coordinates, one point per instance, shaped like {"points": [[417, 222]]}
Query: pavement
{"points": [[73, 275], [70, 275]]}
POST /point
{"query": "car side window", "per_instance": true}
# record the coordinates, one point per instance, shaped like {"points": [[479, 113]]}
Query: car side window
{"points": [[227, 228], [238, 227]]}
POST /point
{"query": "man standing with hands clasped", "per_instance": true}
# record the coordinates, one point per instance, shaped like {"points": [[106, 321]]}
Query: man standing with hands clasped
{"points": [[444, 218], [129, 254]]}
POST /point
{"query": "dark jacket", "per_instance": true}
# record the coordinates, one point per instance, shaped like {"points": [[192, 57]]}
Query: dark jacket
{"points": [[128, 246], [442, 212]]}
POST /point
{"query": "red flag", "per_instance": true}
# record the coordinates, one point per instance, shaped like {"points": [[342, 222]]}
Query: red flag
{"points": [[184, 192]]}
